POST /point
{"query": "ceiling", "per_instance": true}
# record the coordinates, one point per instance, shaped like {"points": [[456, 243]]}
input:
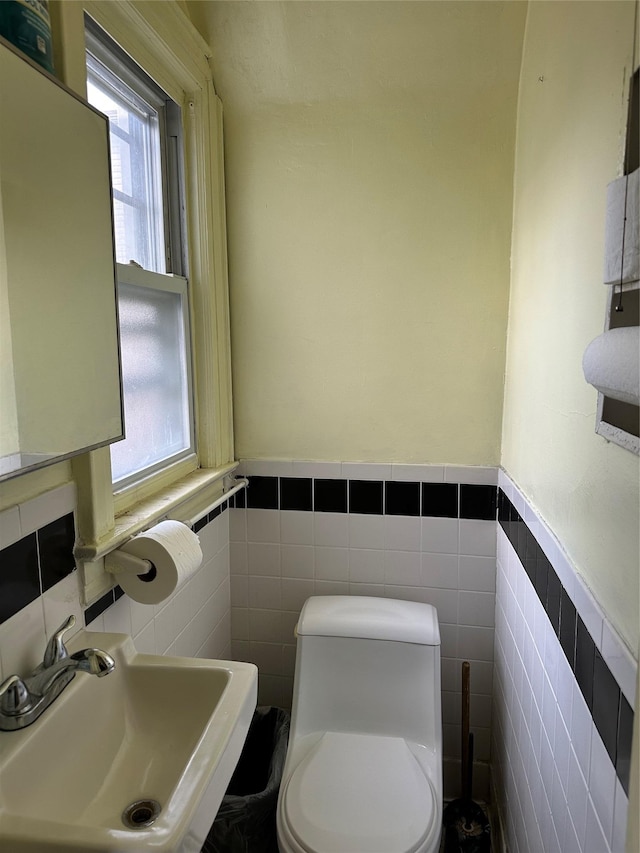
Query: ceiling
{"points": [[284, 53]]}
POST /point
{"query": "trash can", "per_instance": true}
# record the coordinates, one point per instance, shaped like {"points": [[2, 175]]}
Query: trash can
{"points": [[246, 819]]}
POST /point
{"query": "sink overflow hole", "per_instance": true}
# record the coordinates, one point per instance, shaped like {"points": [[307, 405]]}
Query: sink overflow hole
{"points": [[141, 814]]}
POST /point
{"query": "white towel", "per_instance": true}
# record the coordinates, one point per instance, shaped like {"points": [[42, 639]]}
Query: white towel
{"points": [[627, 186], [611, 363]]}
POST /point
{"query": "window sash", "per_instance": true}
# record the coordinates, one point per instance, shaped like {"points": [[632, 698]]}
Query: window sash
{"points": [[142, 90], [140, 142], [136, 277]]}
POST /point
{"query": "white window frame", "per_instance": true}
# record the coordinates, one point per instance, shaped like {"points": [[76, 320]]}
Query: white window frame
{"points": [[160, 38], [108, 66]]}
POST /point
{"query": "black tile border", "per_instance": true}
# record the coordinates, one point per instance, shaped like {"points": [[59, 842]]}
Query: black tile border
{"points": [[440, 500], [200, 523], [585, 663], [567, 633], [296, 493], [55, 547], [401, 498], [35, 563], [20, 578], [606, 705], [554, 591], [623, 746], [208, 517], [98, 607], [372, 497], [262, 493], [329, 495], [478, 501], [611, 713], [366, 497]]}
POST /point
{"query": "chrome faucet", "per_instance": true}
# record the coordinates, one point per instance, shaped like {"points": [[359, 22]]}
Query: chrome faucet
{"points": [[22, 700]]}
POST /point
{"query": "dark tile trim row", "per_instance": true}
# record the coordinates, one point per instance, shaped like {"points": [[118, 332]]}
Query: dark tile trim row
{"points": [[372, 497], [611, 713], [35, 563], [98, 607], [210, 516]]}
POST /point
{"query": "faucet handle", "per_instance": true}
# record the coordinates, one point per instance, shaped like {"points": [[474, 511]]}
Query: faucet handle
{"points": [[56, 649], [14, 696]]}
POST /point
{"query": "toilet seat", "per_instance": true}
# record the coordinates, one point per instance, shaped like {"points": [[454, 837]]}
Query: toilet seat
{"points": [[357, 793]]}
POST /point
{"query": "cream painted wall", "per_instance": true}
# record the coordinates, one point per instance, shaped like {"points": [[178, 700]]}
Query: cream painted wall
{"points": [[571, 122], [369, 163], [9, 442]]}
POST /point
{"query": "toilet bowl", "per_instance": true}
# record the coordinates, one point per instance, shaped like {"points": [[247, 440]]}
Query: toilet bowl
{"points": [[363, 772]]}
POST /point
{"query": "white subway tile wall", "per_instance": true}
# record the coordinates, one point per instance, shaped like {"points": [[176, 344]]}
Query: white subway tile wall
{"points": [[37, 598], [555, 783]]}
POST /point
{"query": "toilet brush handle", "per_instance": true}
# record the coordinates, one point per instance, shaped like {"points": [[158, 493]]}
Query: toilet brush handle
{"points": [[464, 744], [469, 783]]}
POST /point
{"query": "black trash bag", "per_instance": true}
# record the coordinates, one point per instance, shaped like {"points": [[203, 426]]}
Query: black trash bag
{"points": [[246, 819]]}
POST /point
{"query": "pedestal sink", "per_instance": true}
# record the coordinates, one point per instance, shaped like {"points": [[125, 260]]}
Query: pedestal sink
{"points": [[163, 730]]}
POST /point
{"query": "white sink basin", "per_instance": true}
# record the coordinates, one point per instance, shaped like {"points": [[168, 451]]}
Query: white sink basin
{"points": [[167, 729]]}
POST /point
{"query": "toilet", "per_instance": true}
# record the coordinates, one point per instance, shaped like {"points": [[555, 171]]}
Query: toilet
{"points": [[363, 771]]}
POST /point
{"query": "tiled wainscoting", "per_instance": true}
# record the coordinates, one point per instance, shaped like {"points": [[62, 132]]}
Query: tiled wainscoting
{"points": [[39, 589], [422, 533], [563, 698], [559, 724]]}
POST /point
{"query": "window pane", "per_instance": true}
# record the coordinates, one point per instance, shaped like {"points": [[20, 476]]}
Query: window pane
{"points": [[155, 379], [135, 167]]}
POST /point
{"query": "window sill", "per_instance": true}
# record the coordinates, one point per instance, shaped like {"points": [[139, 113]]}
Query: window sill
{"points": [[157, 484], [180, 501]]}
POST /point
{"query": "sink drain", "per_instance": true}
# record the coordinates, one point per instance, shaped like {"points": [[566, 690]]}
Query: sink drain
{"points": [[141, 814]]}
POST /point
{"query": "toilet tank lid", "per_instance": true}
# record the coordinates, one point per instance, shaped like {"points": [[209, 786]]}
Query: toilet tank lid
{"points": [[369, 618]]}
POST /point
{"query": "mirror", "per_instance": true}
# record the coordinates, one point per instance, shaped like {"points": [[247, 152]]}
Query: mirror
{"points": [[59, 355]]}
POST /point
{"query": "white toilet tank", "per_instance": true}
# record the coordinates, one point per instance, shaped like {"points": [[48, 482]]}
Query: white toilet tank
{"points": [[368, 665]]}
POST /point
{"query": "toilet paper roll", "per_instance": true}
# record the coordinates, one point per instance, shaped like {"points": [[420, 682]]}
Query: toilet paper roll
{"points": [[174, 552]]}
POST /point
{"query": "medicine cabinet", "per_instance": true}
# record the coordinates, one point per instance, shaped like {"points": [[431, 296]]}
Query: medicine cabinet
{"points": [[59, 355]]}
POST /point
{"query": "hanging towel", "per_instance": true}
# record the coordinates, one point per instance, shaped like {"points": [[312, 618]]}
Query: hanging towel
{"points": [[625, 187], [611, 363]]}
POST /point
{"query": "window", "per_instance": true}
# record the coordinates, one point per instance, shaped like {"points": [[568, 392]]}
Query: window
{"points": [[153, 299], [160, 38]]}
